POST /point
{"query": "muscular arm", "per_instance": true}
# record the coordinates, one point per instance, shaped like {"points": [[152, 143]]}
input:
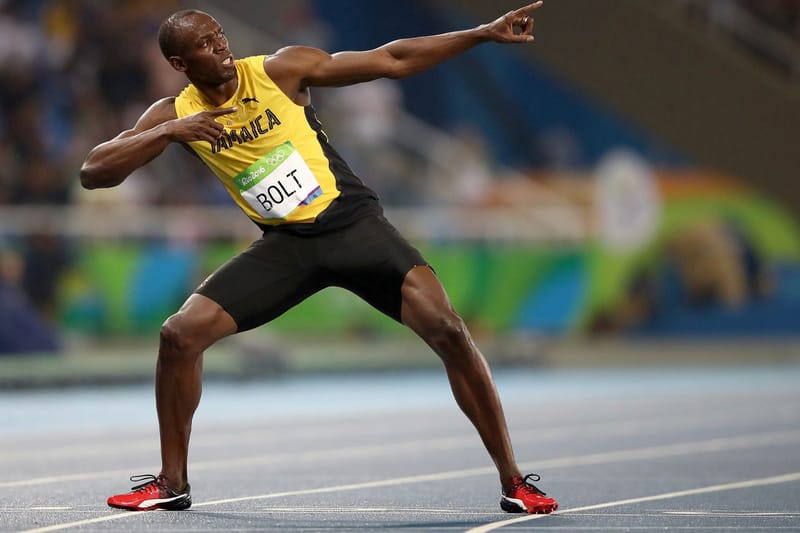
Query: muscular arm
{"points": [[109, 163], [296, 68]]}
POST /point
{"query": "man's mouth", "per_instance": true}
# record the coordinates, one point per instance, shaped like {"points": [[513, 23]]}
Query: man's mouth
{"points": [[228, 61]]}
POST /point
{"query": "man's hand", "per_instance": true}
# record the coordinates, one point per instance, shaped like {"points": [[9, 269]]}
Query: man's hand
{"points": [[201, 126], [513, 27]]}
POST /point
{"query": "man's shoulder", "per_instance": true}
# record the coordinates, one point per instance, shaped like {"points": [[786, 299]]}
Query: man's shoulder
{"points": [[165, 105], [168, 101], [251, 61], [161, 110]]}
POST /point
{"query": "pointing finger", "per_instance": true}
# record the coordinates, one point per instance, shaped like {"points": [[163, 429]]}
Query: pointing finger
{"points": [[530, 7]]}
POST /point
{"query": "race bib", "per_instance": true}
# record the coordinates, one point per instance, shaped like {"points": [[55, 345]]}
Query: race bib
{"points": [[278, 183]]}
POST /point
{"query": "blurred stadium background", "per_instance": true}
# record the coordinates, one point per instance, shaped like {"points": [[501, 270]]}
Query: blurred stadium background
{"points": [[624, 190]]}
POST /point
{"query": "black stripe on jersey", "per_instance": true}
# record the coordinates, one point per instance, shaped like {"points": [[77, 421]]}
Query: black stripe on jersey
{"points": [[355, 200]]}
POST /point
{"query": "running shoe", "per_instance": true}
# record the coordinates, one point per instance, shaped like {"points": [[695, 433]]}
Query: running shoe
{"points": [[525, 497], [152, 494]]}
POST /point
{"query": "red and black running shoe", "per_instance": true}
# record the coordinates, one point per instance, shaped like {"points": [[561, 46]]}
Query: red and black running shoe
{"points": [[152, 494], [525, 497]]}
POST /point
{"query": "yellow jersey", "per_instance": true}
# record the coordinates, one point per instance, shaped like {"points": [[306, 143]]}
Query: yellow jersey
{"points": [[274, 158]]}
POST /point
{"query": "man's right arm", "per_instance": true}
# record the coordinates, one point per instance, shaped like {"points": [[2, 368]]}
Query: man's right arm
{"points": [[109, 163]]}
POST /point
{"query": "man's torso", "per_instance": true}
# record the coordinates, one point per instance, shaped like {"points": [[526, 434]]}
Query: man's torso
{"points": [[274, 159]]}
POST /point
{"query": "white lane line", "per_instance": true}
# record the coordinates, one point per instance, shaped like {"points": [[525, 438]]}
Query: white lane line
{"points": [[637, 454], [777, 438], [86, 522], [615, 428], [207, 439], [750, 483], [367, 510], [441, 444], [350, 452], [440, 476], [774, 438], [211, 440], [86, 476], [733, 514]]}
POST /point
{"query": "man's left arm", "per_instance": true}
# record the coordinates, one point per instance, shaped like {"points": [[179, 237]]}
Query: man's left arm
{"points": [[296, 68], [412, 56]]}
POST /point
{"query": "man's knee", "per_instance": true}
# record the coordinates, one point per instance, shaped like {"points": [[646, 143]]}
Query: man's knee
{"points": [[448, 333], [183, 335], [199, 324], [176, 337]]}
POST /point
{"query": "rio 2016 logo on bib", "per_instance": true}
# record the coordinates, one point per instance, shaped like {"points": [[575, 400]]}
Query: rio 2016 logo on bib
{"points": [[278, 183]]}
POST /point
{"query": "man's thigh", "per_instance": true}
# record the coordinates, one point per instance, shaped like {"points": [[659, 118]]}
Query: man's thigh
{"points": [[261, 283], [371, 259]]}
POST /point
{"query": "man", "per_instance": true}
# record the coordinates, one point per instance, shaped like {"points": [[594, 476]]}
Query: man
{"points": [[252, 124]]}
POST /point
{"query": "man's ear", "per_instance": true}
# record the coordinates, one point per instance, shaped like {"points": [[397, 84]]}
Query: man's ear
{"points": [[177, 63]]}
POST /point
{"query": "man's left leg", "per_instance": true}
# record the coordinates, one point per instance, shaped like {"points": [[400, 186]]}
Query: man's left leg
{"points": [[427, 310]]}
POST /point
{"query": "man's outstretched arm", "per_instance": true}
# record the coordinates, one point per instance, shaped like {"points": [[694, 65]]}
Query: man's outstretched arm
{"points": [[296, 68], [109, 163]]}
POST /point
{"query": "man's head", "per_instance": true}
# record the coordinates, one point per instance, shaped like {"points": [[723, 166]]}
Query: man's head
{"points": [[194, 43]]}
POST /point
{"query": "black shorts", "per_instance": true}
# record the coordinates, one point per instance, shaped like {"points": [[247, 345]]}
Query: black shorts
{"points": [[369, 257]]}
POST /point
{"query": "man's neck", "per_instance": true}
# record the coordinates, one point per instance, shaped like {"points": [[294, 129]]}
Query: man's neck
{"points": [[217, 95]]}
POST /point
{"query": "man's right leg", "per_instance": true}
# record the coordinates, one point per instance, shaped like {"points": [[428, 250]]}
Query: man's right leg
{"points": [[261, 283], [184, 337], [257, 285]]}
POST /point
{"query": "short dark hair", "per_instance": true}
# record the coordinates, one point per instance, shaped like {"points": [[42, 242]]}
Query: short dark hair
{"points": [[168, 32]]}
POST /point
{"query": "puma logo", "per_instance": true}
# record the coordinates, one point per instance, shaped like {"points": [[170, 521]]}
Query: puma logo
{"points": [[248, 99]]}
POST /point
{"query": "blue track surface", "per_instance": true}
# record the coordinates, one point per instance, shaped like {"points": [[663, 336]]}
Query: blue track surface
{"points": [[697, 449]]}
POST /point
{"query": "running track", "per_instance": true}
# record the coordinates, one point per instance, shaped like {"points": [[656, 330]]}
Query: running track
{"points": [[690, 449]]}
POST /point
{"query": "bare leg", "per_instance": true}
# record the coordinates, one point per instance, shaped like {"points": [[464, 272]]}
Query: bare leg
{"points": [[184, 336], [427, 310]]}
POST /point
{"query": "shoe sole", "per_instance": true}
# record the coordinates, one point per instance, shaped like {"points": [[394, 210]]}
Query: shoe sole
{"points": [[180, 504]]}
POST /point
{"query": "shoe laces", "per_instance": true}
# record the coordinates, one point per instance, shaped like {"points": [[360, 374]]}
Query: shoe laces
{"points": [[145, 481], [526, 485]]}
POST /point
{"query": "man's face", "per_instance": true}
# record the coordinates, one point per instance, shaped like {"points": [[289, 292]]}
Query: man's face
{"points": [[205, 56]]}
